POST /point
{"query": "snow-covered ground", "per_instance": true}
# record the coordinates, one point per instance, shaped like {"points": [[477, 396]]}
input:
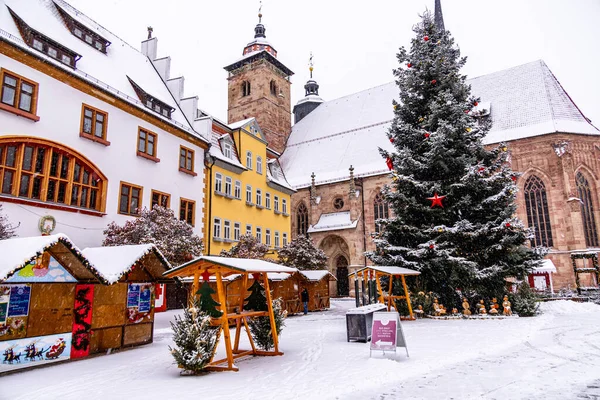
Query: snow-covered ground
{"points": [[553, 356]]}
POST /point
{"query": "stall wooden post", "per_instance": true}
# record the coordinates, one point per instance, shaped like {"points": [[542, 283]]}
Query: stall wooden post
{"points": [[364, 274], [238, 322], [271, 315], [410, 310], [390, 293], [380, 294], [225, 321], [192, 297]]}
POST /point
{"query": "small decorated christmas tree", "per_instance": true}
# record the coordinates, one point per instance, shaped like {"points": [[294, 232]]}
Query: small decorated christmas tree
{"points": [[195, 340], [260, 327], [207, 304], [257, 300]]}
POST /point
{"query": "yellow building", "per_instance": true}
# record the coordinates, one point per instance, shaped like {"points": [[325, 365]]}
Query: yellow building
{"points": [[246, 189]]}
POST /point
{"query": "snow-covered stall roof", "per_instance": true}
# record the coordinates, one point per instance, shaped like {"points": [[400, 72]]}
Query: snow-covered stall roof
{"points": [[388, 270], [545, 266], [116, 261], [18, 252], [315, 276], [525, 101], [235, 265], [108, 71], [333, 222]]}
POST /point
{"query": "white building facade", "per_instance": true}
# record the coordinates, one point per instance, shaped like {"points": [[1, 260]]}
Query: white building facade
{"points": [[91, 129]]}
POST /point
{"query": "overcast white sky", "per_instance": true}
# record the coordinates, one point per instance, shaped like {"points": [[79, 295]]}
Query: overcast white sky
{"points": [[355, 43]]}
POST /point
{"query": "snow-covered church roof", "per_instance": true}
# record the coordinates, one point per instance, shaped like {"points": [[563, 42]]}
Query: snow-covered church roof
{"points": [[108, 71], [525, 101]]}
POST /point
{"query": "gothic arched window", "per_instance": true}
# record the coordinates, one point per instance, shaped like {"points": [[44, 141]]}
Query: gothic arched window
{"points": [[538, 218], [587, 210], [245, 88], [381, 210], [273, 87], [302, 219]]}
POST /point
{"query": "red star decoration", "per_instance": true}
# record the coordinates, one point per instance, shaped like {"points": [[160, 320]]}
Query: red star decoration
{"points": [[205, 276], [390, 163], [256, 276], [436, 200]]}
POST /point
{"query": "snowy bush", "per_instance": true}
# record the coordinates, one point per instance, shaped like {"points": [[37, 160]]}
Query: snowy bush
{"points": [[525, 301], [247, 247], [195, 340], [301, 253], [174, 238], [260, 327], [6, 229]]}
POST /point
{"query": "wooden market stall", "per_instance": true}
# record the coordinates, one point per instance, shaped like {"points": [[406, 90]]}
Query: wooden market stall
{"points": [[222, 267], [123, 310], [317, 284], [49, 292], [376, 272]]}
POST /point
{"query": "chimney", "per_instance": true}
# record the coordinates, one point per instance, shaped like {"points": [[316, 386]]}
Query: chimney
{"points": [[149, 48]]}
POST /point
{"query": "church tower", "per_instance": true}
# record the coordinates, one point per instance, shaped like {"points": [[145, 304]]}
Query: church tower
{"points": [[311, 98], [259, 87]]}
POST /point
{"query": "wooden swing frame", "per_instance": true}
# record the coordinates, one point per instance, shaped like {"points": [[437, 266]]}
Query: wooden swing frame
{"points": [[202, 266], [392, 272]]}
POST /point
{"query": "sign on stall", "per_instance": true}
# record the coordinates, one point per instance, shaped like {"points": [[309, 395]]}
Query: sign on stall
{"points": [[386, 332]]}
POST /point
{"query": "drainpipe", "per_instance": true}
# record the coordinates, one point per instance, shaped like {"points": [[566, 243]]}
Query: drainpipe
{"points": [[209, 161]]}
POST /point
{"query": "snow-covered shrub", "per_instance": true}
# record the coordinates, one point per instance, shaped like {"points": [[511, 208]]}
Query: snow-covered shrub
{"points": [[6, 229], [525, 301], [247, 247], [260, 327], [195, 340], [174, 238], [301, 253]]}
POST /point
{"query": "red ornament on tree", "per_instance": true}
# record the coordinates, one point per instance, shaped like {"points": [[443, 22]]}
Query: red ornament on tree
{"points": [[205, 276], [476, 104], [427, 134], [508, 224], [392, 140], [431, 246], [467, 111], [436, 200], [514, 178], [409, 65], [433, 82], [390, 163], [481, 169], [426, 38]]}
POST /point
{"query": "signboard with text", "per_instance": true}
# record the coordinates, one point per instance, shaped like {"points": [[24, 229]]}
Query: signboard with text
{"points": [[386, 332]]}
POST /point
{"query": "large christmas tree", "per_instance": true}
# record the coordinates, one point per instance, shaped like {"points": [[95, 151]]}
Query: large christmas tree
{"points": [[453, 200]]}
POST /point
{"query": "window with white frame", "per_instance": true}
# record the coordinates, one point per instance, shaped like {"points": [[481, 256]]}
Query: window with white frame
{"points": [[236, 231], [276, 239], [249, 159], [218, 182], [259, 165], [258, 197], [276, 201], [268, 200], [227, 230], [284, 239], [284, 206], [268, 237], [259, 234], [227, 150], [228, 185], [248, 194], [217, 228], [238, 190], [248, 229]]}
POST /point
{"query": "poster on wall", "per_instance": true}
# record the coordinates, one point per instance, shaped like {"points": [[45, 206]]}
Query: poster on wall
{"points": [[43, 269], [139, 302], [82, 320], [14, 309], [21, 353]]}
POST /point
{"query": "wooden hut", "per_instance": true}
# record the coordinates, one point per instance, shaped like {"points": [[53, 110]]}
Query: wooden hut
{"points": [[222, 267], [317, 285], [52, 299]]}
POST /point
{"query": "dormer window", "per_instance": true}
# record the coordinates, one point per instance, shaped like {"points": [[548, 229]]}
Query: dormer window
{"points": [[44, 44], [151, 102], [82, 32], [227, 150]]}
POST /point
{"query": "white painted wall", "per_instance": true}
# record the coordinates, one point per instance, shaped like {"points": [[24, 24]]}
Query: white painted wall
{"points": [[59, 109]]}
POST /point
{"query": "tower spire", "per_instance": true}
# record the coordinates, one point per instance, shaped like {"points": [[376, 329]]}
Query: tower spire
{"points": [[259, 29], [310, 63], [439, 17]]}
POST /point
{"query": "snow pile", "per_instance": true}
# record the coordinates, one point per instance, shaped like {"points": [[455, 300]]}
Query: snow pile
{"points": [[567, 307]]}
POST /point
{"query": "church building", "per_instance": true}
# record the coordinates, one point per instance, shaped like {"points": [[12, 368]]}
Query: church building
{"points": [[331, 158]]}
